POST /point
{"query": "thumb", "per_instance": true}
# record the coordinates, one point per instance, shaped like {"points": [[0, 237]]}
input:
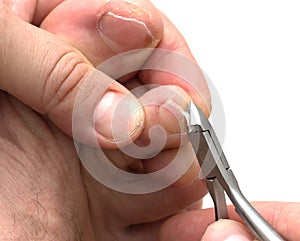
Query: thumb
{"points": [[47, 74], [228, 230]]}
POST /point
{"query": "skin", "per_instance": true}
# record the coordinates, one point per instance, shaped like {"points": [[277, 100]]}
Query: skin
{"points": [[282, 216], [46, 194], [50, 195]]}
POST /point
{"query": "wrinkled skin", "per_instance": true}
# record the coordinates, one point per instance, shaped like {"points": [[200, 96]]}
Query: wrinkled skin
{"points": [[46, 194]]}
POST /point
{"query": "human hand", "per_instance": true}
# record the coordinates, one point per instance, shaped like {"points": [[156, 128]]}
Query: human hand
{"points": [[199, 224], [46, 192], [54, 94]]}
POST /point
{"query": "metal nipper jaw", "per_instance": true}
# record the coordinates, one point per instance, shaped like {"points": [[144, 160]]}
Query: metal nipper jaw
{"points": [[220, 178]]}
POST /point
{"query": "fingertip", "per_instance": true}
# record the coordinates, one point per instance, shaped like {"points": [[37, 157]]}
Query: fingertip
{"points": [[128, 25], [119, 119], [172, 112], [226, 230], [105, 113]]}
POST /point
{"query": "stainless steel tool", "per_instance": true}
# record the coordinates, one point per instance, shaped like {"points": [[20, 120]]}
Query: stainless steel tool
{"points": [[220, 178]]}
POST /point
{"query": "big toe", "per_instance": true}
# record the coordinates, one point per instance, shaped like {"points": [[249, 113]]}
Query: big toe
{"points": [[100, 29]]}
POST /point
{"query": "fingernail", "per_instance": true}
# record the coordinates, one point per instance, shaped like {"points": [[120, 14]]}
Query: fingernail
{"points": [[121, 33], [172, 117], [118, 117]]}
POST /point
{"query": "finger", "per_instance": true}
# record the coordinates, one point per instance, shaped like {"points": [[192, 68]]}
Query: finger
{"points": [[100, 28], [284, 217], [189, 225], [165, 123], [163, 139], [22, 8], [165, 107], [47, 74], [226, 230], [195, 85], [192, 225], [33, 11], [42, 9]]}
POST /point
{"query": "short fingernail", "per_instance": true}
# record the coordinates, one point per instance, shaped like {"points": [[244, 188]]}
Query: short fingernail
{"points": [[226, 230], [119, 117], [121, 33], [172, 116]]}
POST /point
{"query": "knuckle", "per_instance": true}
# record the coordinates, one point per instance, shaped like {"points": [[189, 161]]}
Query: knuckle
{"points": [[64, 78]]}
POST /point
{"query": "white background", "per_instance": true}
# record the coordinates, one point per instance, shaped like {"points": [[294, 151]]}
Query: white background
{"points": [[251, 51]]}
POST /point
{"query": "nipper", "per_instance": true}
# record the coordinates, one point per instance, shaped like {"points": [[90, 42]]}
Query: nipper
{"points": [[220, 178]]}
